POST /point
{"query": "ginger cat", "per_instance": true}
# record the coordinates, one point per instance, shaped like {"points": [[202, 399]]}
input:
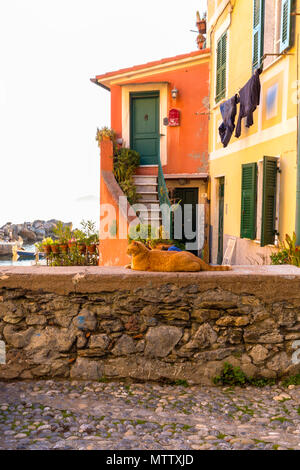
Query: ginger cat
{"points": [[144, 259]]}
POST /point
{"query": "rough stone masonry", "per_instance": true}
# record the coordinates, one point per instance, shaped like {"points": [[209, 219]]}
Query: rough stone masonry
{"points": [[90, 323]]}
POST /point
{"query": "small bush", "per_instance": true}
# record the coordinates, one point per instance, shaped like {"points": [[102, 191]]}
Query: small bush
{"points": [[293, 380], [289, 252], [232, 376], [126, 161], [183, 383]]}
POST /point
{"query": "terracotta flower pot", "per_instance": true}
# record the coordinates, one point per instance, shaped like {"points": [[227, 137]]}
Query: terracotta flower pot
{"points": [[91, 248], [72, 244], [47, 249], [63, 247], [201, 25], [82, 248]]}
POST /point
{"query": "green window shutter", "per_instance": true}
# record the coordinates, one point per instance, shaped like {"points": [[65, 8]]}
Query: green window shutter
{"points": [[258, 33], [221, 67], [285, 27], [249, 191], [269, 201]]}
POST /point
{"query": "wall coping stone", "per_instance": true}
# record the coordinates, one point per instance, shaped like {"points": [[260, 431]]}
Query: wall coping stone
{"points": [[267, 282]]}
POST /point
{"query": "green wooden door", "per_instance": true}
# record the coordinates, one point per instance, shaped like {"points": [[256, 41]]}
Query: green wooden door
{"points": [[188, 199], [221, 221], [144, 126]]}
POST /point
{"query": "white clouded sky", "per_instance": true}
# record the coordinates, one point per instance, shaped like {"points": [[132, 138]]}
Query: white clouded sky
{"points": [[49, 109]]}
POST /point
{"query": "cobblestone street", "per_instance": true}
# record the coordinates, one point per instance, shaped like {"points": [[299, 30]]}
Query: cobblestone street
{"points": [[119, 416]]}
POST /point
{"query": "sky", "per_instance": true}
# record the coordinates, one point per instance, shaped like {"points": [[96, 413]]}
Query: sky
{"points": [[49, 109]]}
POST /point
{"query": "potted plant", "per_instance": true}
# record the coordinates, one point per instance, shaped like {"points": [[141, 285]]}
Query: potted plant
{"points": [[105, 134], [201, 23], [47, 243], [72, 242], [55, 247], [64, 233], [92, 243], [63, 247], [89, 235], [80, 237]]}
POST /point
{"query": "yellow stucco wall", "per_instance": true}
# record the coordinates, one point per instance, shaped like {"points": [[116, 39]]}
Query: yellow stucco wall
{"points": [[274, 132]]}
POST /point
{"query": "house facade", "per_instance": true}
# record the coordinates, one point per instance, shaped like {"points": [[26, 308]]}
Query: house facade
{"points": [[254, 192], [159, 109]]}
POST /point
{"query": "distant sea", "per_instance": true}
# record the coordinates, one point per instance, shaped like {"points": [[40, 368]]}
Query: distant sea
{"points": [[8, 262]]}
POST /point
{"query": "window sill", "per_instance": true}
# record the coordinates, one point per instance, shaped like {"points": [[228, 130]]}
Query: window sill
{"points": [[217, 105], [257, 242]]}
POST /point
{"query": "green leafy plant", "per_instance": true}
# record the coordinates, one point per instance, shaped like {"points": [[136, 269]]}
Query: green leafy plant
{"points": [[63, 232], [232, 376], [288, 252], [261, 382], [181, 382], [105, 132], [293, 380], [88, 235], [47, 241], [126, 161], [79, 235]]}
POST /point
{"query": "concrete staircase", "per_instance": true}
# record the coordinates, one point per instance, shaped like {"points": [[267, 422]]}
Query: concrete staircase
{"points": [[146, 188]]}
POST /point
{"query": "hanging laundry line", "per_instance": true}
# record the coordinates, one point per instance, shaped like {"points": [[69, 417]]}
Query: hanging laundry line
{"points": [[238, 80], [249, 98], [242, 78]]}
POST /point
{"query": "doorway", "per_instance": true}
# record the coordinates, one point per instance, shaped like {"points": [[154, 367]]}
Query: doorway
{"points": [[144, 126], [188, 200], [221, 220]]}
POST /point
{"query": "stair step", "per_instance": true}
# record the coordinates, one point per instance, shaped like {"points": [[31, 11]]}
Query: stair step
{"points": [[148, 204], [154, 203], [146, 188], [145, 179], [150, 214], [148, 197], [151, 220]]}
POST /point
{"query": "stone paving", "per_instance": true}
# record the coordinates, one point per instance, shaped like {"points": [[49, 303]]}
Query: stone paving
{"points": [[136, 416]]}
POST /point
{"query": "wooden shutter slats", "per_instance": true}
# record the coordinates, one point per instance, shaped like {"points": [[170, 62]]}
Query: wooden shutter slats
{"points": [[249, 194], [269, 200], [285, 29], [258, 33], [221, 67]]}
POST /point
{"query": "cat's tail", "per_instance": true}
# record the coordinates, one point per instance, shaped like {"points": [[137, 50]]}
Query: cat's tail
{"points": [[218, 268]]}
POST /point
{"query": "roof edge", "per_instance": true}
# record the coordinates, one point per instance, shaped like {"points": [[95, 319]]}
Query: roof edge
{"points": [[163, 62], [94, 80]]}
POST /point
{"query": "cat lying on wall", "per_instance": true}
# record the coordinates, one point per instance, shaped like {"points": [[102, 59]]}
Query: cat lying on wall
{"points": [[144, 259]]}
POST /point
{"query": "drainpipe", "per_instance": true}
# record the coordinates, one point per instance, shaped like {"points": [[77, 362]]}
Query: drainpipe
{"points": [[298, 154]]}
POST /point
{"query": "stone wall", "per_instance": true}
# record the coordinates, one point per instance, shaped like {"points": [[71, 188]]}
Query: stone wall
{"points": [[97, 322]]}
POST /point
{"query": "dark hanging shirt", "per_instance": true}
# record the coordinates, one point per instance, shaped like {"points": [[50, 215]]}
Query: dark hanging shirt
{"points": [[228, 111], [249, 100]]}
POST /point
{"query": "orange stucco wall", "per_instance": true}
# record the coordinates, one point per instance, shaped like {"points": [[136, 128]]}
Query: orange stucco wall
{"points": [[187, 144], [112, 251]]}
